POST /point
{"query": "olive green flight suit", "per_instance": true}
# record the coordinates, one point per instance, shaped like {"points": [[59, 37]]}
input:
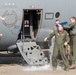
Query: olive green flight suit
{"points": [[59, 46], [72, 28]]}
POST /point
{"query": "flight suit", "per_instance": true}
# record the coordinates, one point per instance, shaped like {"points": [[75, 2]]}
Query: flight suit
{"points": [[72, 28], [59, 46]]}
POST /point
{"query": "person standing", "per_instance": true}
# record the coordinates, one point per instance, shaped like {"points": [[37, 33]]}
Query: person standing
{"points": [[72, 32], [61, 40]]}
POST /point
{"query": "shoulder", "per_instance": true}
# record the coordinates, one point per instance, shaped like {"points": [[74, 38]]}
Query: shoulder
{"points": [[73, 23], [55, 31], [66, 32]]}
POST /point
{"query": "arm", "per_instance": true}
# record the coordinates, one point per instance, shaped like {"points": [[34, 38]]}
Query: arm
{"points": [[50, 36], [70, 26]]}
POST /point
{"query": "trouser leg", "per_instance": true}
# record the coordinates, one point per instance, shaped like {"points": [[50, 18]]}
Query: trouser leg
{"points": [[63, 55], [74, 49], [54, 56]]}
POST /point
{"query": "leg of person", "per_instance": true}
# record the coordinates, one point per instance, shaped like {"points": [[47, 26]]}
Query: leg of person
{"points": [[64, 58], [71, 50], [54, 57], [74, 49], [70, 59]]}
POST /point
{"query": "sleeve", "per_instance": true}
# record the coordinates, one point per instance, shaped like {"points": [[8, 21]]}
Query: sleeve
{"points": [[51, 35], [70, 26], [67, 39], [64, 23]]}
